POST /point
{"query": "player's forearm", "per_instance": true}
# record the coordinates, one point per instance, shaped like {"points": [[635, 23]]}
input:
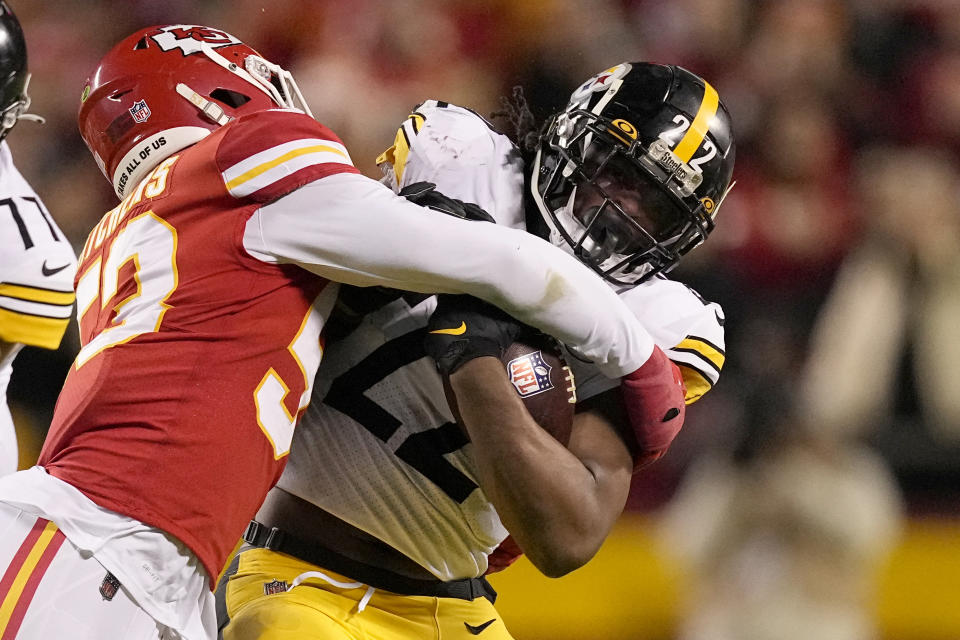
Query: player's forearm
{"points": [[555, 507], [361, 233]]}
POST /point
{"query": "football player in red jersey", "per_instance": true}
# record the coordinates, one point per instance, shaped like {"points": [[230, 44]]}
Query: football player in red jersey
{"points": [[388, 529], [201, 301]]}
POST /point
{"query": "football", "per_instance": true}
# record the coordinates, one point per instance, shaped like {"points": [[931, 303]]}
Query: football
{"points": [[541, 377]]}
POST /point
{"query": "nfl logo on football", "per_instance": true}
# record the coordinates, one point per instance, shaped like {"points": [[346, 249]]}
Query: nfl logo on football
{"points": [[530, 374], [140, 111]]}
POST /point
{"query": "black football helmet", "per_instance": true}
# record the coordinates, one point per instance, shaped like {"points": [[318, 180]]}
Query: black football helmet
{"points": [[630, 175], [14, 77]]}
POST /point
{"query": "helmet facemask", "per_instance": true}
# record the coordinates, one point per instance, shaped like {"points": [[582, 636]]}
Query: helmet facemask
{"points": [[14, 77], [16, 111], [270, 78], [629, 176], [608, 200]]}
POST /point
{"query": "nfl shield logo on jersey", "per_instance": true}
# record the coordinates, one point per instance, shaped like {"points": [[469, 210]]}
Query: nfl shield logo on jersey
{"points": [[275, 586], [109, 587], [140, 111], [530, 374]]}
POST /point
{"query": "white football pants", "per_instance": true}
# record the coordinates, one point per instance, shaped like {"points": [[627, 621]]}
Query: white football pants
{"points": [[49, 590]]}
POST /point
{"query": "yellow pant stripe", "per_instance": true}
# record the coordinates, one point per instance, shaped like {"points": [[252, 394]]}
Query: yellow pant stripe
{"points": [[23, 575]]}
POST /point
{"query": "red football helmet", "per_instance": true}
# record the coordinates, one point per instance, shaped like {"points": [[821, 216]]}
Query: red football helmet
{"points": [[165, 88]]}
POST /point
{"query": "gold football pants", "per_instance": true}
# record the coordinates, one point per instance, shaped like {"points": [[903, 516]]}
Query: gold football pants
{"points": [[272, 596]]}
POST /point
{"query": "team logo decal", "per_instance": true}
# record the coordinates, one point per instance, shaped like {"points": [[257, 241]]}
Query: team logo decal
{"points": [[188, 38], [626, 127], [140, 111], [530, 374], [109, 587], [600, 82], [273, 587]]}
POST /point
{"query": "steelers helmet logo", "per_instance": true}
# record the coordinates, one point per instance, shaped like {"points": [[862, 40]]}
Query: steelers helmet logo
{"points": [[600, 82]]}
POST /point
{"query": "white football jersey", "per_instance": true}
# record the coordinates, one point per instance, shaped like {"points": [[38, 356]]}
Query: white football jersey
{"points": [[37, 265], [378, 446]]}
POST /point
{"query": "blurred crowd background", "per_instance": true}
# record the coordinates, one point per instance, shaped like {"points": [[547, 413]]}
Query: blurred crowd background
{"points": [[814, 492]]}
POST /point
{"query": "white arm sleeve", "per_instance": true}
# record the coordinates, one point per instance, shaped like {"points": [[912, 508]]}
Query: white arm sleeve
{"points": [[352, 229]]}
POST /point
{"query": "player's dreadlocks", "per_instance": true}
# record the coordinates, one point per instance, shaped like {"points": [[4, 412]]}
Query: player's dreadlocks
{"points": [[523, 128], [517, 122]]}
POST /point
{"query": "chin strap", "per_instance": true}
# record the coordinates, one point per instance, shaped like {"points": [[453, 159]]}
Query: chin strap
{"points": [[210, 110], [15, 112]]}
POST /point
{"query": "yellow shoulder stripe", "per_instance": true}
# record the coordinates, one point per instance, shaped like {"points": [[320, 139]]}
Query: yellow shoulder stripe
{"points": [[36, 294], [290, 155], [38, 331], [417, 120], [701, 124], [398, 153], [704, 349]]}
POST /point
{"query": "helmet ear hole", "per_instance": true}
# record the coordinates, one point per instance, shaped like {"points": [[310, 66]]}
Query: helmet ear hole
{"points": [[230, 98]]}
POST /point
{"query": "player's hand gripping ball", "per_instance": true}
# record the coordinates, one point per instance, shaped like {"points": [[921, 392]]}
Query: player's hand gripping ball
{"points": [[463, 327]]}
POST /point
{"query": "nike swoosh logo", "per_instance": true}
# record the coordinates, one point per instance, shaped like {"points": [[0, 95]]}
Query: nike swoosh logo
{"points": [[477, 630], [458, 331], [47, 271]]}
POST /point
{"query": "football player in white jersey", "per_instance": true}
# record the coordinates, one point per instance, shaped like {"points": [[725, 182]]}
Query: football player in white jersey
{"points": [[201, 300], [37, 263], [387, 516]]}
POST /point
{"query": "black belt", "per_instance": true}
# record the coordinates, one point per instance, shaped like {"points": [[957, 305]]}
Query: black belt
{"points": [[275, 539]]}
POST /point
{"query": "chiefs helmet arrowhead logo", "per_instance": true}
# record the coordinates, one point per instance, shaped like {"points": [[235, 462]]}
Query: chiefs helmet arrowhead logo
{"points": [[188, 38]]}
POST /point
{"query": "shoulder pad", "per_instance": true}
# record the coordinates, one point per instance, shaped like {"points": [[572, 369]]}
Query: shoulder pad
{"points": [[265, 155], [437, 132]]}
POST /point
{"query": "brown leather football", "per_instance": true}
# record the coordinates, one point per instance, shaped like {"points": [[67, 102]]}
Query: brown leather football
{"points": [[542, 379]]}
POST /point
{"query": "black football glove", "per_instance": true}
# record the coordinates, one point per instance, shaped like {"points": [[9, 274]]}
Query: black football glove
{"points": [[425, 194], [463, 327]]}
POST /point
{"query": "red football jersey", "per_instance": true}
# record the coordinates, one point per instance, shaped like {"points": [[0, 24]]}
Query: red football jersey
{"points": [[197, 358]]}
